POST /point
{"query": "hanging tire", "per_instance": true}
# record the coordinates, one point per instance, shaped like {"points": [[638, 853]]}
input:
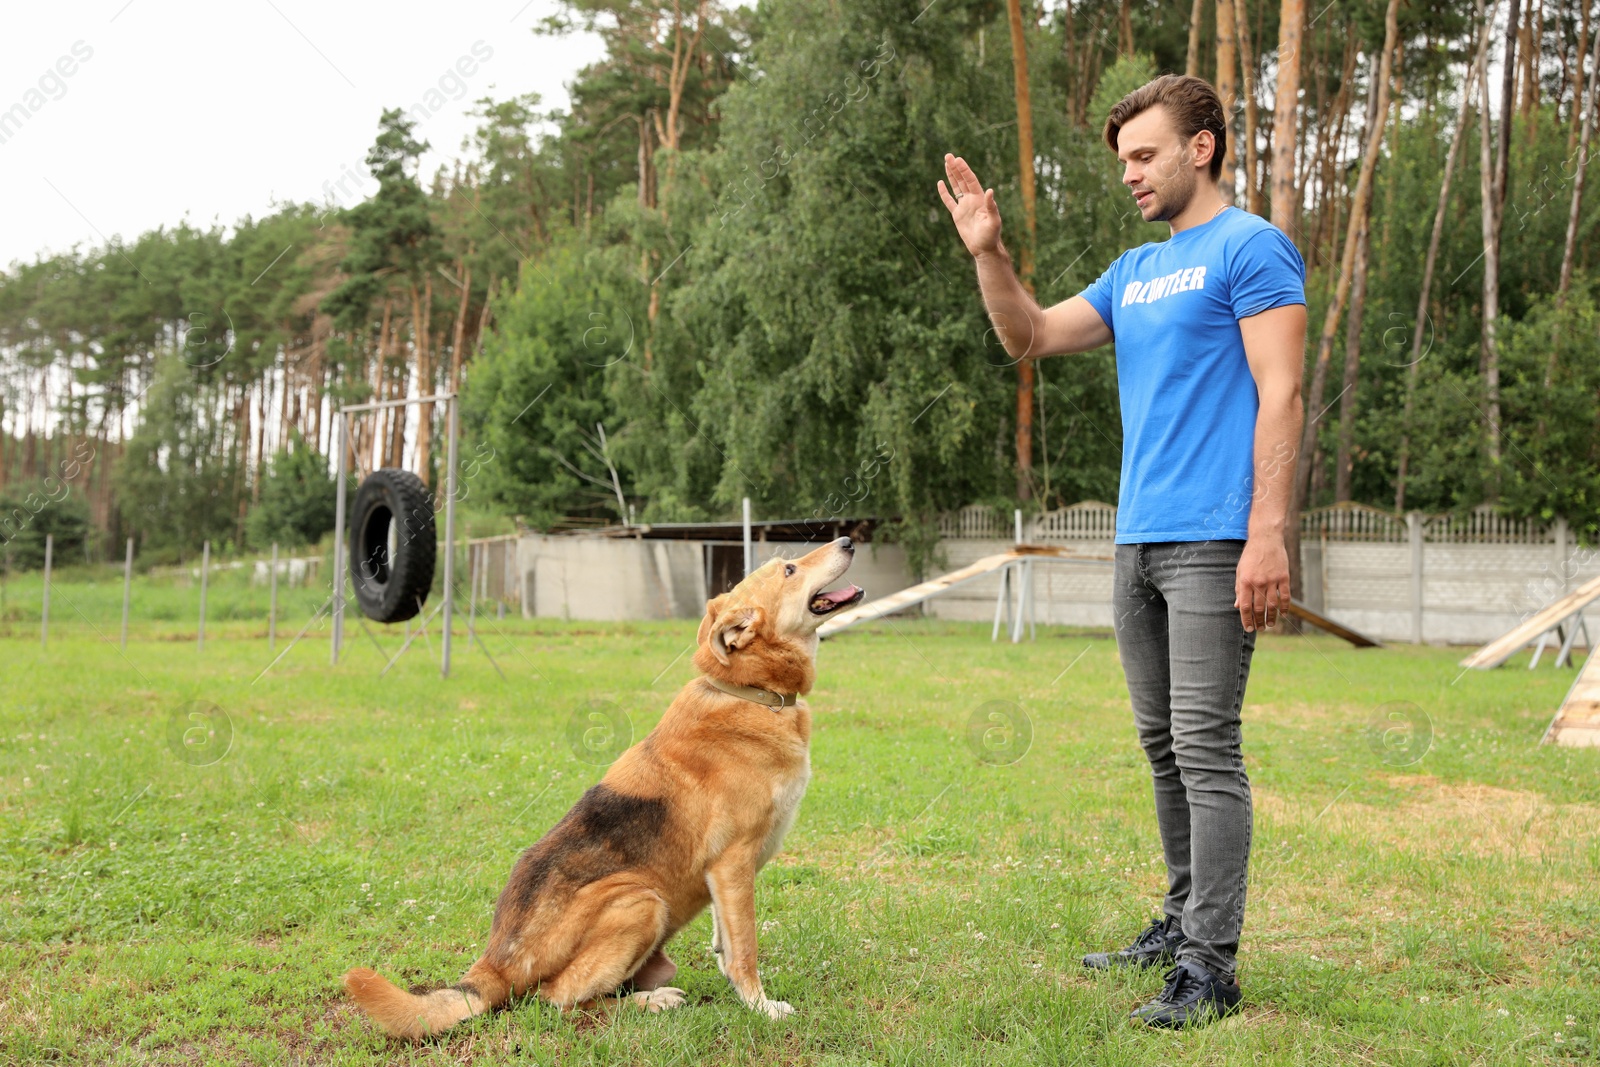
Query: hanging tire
{"points": [[393, 545]]}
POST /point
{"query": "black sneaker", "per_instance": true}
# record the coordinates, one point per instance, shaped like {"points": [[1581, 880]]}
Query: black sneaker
{"points": [[1158, 944], [1193, 997]]}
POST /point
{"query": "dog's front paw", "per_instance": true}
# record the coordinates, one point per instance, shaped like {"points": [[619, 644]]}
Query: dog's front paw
{"points": [[661, 999], [773, 1009]]}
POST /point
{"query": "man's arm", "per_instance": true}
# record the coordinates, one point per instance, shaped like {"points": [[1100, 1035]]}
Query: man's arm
{"points": [[1026, 330], [1274, 346]]}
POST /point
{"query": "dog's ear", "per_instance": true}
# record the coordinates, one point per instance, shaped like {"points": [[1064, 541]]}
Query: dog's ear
{"points": [[713, 609], [731, 630]]}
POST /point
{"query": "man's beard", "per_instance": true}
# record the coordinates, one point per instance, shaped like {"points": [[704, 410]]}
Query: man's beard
{"points": [[1174, 196]]}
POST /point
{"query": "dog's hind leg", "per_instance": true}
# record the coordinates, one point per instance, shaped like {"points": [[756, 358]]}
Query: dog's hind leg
{"points": [[657, 971], [621, 937]]}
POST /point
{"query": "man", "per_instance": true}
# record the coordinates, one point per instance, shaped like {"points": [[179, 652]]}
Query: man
{"points": [[1209, 328]]}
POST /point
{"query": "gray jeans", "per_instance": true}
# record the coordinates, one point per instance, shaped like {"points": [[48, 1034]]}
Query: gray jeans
{"points": [[1186, 657]]}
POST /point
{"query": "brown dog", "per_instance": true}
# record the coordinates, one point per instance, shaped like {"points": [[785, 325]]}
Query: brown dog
{"points": [[683, 819]]}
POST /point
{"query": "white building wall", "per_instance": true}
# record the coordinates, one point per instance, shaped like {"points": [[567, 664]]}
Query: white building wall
{"points": [[610, 579]]}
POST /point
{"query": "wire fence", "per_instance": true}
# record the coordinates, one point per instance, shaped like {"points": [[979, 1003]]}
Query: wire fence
{"points": [[269, 598]]}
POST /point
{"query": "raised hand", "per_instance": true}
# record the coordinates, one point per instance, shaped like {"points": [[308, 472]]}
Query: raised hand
{"points": [[972, 207]]}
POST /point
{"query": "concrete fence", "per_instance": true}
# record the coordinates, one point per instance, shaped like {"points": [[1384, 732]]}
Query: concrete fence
{"points": [[1461, 579], [642, 578]]}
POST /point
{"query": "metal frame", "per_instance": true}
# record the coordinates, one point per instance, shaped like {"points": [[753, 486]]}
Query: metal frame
{"points": [[1017, 575], [452, 435], [1566, 633]]}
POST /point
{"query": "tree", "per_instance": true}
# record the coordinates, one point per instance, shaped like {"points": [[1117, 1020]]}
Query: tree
{"points": [[1494, 176], [31, 512], [1377, 115], [1191, 65], [1463, 121], [1286, 215], [393, 244], [792, 305], [1347, 266], [1248, 65], [1285, 192], [1025, 162], [297, 499], [1227, 69]]}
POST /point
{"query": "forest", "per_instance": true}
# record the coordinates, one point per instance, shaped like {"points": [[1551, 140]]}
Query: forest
{"points": [[723, 272]]}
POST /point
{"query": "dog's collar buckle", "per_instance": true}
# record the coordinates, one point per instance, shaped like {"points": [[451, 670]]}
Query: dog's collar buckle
{"points": [[756, 695]]}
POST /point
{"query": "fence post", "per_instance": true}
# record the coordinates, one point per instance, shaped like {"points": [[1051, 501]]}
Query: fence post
{"points": [[272, 610], [205, 569], [453, 430], [1017, 515], [127, 589], [474, 566], [749, 549], [1414, 532], [44, 620], [336, 636], [1563, 571]]}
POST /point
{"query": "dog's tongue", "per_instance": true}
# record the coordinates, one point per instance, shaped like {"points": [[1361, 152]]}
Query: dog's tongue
{"points": [[838, 596]]}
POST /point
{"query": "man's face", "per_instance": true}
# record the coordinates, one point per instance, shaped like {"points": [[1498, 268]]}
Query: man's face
{"points": [[1157, 164]]}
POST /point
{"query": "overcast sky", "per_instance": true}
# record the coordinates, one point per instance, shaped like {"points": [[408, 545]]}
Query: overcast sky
{"points": [[118, 116]]}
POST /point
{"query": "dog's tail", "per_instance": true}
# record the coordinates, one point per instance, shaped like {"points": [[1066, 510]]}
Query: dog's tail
{"points": [[414, 1016]]}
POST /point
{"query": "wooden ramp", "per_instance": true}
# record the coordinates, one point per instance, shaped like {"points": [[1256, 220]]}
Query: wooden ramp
{"points": [[912, 596], [1508, 644], [1577, 721], [916, 594], [1322, 622]]}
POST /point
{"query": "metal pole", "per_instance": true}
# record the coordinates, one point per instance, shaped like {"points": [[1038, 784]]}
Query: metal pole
{"points": [[449, 534], [338, 539], [1001, 601], [205, 572], [749, 549], [44, 619], [1024, 599], [272, 611], [127, 590], [474, 568], [1018, 516]]}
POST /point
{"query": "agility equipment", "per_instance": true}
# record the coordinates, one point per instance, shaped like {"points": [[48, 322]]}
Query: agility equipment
{"points": [[393, 545], [336, 601], [1016, 584], [1563, 617], [1021, 558], [1577, 721], [1322, 622]]}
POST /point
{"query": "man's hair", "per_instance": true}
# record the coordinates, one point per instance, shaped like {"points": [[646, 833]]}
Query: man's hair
{"points": [[1192, 103]]}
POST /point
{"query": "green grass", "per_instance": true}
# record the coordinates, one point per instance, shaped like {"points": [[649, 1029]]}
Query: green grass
{"points": [[928, 907]]}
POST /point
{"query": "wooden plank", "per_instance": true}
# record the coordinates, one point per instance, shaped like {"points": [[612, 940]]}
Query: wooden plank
{"points": [[1577, 721], [1322, 622], [1508, 644], [916, 594]]}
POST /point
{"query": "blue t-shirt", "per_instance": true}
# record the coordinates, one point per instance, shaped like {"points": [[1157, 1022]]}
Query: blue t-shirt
{"points": [[1188, 399]]}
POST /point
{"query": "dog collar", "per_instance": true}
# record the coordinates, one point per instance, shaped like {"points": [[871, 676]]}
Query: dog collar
{"points": [[767, 697]]}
